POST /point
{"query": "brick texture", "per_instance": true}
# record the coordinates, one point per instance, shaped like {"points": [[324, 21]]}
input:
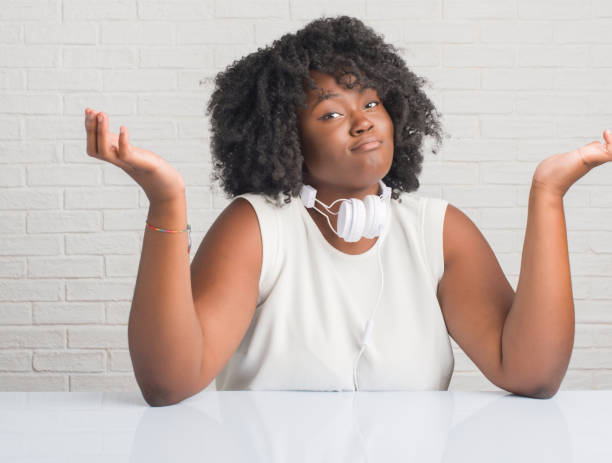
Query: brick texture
{"points": [[515, 81]]}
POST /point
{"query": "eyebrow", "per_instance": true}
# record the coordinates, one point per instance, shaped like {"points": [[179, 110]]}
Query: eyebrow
{"points": [[325, 96], [328, 95]]}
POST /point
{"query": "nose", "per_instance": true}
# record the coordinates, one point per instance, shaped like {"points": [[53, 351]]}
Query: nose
{"points": [[362, 125]]}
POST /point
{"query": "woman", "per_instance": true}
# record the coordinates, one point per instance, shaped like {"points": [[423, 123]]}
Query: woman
{"points": [[280, 295]]}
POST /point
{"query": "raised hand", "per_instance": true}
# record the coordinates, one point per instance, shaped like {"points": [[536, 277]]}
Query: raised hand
{"points": [[560, 171], [160, 181]]}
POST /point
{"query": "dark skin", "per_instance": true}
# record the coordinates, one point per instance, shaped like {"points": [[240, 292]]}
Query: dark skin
{"points": [[328, 130], [532, 329], [474, 295]]}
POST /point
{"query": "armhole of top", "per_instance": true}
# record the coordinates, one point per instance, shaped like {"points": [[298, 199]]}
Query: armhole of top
{"points": [[432, 231], [268, 228]]}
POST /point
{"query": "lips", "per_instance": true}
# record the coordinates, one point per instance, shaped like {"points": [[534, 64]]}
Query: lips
{"points": [[367, 144]]}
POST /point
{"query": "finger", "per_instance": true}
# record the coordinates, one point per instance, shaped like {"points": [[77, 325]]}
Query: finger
{"points": [[595, 149], [125, 150], [608, 140], [102, 136], [131, 157], [90, 125], [594, 154]]}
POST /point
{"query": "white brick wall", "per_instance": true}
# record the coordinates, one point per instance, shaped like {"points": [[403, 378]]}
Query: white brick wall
{"points": [[515, 80]]}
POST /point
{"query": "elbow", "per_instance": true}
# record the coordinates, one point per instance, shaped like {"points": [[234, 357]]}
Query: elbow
{"points": [[164, 398], [160, 400], [155, 397], [532, 386], [545, 392], [154, 402], [548, 389], [537, 394], [542, 395], [541, 392]]}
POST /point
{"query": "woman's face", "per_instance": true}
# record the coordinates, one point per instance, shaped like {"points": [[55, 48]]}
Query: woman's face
{"points": [[330, 128]]}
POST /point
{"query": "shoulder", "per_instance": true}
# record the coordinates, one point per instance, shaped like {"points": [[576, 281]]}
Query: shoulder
{"points": [[410, 208], [238, 225], [421, 219], [238, 221], [240, 212], [255, 212], [427, 213], [440, 218], [448, 234], [263, 202], [265, 221], [424, 206], [459, 233]]}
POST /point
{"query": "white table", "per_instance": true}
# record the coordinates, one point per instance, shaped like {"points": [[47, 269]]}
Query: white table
{"points": [[301, 426]]}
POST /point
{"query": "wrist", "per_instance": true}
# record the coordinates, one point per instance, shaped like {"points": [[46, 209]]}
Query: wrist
{"points": [[542, 194], [542, 188], [170, 214]]}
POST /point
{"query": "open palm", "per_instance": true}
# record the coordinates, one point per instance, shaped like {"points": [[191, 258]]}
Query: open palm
{"points": [[559, 172], [159, 180]]}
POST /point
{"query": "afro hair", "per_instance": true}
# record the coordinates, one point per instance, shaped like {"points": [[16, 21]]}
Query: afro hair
{"points": [[255, 142]]}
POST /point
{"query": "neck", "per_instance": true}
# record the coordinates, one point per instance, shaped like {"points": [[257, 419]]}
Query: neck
{"points": [[327, 195]]}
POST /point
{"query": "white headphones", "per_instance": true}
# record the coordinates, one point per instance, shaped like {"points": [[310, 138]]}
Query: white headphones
{"points": [[356, 218]]}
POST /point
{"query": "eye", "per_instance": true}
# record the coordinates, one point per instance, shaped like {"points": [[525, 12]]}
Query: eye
{"points": [[324, 117]]}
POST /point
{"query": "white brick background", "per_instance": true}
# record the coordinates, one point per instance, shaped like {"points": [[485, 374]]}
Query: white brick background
{"points": [[515, 80]]}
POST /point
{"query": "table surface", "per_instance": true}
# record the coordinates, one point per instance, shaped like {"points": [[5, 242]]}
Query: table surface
{"points": [[305, 426]]}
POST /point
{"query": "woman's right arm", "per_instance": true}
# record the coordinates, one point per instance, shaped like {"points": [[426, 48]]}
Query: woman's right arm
{"points": [[185, 321], [164, 335]]}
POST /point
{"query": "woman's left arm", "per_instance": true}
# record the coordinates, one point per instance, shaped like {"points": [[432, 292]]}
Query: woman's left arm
{"points": [[538, 333]]}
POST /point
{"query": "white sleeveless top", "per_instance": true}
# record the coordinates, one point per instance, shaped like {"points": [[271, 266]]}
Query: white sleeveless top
{"points": [[315, 300]]}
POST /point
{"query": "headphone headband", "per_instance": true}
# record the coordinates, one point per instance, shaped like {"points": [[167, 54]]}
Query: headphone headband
{"points": [[309, 193]]}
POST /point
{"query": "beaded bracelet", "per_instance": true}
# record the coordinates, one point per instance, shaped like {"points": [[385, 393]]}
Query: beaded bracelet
{"points": [[188, 230]]}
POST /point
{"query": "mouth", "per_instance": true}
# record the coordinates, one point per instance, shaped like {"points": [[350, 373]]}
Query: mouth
{"points": [[367, 146]]}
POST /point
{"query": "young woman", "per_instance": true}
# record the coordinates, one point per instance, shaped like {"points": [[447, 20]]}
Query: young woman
{"points": [[288, 292]]}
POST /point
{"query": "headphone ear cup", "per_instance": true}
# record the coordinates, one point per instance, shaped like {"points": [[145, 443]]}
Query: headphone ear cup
{"points": [[376, 210], [345, 218], [370, 212], [382, 209], [359, 219], [351, 218]]}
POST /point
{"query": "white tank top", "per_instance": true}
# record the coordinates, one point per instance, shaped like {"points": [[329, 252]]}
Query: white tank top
{"points": [[315, 300]]}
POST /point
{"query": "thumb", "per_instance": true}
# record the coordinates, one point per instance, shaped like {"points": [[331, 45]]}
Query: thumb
{"points": [[124, 145]]}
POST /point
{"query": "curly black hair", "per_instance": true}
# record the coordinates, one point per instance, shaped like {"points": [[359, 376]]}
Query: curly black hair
{"points": [[255, 140]]}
